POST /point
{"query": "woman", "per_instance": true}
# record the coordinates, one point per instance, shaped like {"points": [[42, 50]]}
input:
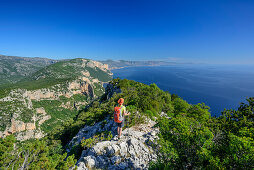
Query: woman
{"points": [[123, 113]]}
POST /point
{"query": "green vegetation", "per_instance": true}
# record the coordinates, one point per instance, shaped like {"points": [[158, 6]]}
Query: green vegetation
{"points": [[58, 114], [61, 72], [14, 69], [99, 74], [48, 152], [137, 98], [35, 154], [90, 142], [26, 115], [98, 91], [8, 108], [189, 139], [80, 97], [55, 78], [41, 83], [192, 139], [5, 107]]}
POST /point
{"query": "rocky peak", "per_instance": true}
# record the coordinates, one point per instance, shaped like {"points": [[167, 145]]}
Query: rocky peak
{"points": [[92, 63]]}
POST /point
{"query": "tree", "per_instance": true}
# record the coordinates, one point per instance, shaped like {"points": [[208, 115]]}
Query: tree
{"points": [[33, 155]]}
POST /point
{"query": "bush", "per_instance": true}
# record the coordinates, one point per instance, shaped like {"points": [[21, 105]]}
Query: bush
{"points": [[196, 141], [90, 142], [33, 154]]}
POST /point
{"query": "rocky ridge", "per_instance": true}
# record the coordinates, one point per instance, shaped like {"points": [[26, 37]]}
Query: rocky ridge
{"points": [[134, 150]]}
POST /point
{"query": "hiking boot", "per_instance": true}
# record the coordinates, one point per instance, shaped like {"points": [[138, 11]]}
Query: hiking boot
{"points": [[115, 137]]}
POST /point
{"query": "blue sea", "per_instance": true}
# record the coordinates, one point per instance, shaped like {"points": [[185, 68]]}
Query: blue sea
{"points": [[218, 86]]}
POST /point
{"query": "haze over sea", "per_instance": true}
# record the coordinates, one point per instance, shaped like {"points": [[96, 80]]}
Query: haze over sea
{"points": [[218, 86]]}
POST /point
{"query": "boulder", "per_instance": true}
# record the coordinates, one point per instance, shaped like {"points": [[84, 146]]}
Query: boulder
{"points": [[100, 148], [90, 161], [81, 166], [110, 151]]}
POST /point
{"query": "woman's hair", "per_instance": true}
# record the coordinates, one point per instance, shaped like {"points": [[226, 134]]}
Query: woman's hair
{"points": [[120, 101]]}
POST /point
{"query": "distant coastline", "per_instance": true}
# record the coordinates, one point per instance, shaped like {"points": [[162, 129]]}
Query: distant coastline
{"points": [[119, 64], [115, 68]]}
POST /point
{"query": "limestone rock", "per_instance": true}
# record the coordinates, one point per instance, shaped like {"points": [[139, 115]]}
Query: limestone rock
{"points": [[165, 115], [85, 73], [43, 119], [93, 64], [40, 110], [81, 166], [100, 148], [132, 151], [16, 126], [30, 126], [90, 161]]}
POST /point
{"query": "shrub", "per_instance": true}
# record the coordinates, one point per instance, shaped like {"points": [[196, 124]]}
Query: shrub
{"points": [[90, 142]]}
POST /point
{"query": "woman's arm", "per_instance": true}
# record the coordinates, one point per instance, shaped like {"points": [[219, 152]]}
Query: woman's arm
{"points": [[126, 113]]}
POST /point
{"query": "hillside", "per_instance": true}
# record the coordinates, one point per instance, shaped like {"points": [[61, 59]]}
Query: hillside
{"points": [[36, 104], [163, 132], [14, 69]]}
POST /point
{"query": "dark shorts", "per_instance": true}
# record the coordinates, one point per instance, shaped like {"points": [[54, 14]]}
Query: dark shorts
{"points": [[121, 125]]}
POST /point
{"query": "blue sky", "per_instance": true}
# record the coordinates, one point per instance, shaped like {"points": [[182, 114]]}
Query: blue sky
{"points": [[210, 31]]}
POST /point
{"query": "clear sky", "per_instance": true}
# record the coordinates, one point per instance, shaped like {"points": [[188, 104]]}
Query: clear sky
{"points": [[211, 31]]}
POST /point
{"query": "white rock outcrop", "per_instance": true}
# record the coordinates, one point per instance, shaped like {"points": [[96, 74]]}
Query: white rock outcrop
{"points": [[135, 150]]}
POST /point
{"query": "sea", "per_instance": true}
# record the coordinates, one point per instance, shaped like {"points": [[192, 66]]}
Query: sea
{"points": [[218, 86]]}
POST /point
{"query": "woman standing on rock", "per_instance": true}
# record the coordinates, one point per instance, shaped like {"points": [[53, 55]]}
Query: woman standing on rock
{"points": [[119, 113]]}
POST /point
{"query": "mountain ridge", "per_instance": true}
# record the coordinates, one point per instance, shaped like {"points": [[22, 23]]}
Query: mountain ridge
{"points": [[14, 69]]}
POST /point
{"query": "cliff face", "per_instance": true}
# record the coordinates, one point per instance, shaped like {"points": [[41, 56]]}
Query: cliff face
{"points": [[31, 113], [103, 67]]}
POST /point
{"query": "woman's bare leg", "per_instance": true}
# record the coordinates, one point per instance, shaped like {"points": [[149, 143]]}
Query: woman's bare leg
{"points": [[120, 132]]}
